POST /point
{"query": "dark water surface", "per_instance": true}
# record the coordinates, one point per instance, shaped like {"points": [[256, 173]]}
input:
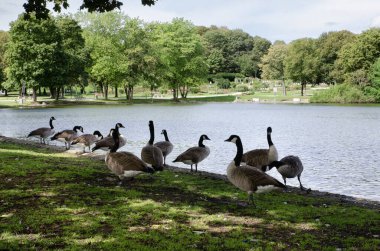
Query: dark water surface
{"points": [[339, 145]]}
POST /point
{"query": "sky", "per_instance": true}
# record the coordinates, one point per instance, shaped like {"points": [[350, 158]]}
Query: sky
{"points": [[271, 19]]}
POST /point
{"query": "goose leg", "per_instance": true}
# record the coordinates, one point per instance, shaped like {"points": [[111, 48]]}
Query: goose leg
{"points": [[301, 186], [191, 166], [250, 199], [164, 160], [196, 167]]}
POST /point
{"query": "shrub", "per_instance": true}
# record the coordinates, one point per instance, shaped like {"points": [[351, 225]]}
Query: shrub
{"points": [[242, 88], [343, 93], [195, 89], [223, 83]]}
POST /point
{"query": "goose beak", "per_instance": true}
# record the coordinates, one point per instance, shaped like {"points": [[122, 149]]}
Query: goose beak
{"points": [[226, 140]]}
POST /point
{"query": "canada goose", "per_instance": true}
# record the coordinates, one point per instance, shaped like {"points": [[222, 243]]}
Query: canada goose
{"points": [[108, 142], [289, 167], [261, 157], [124, 164], [248, 178], [152, 155], [194, 155], [67, 136], [165, 146], [87, 140], [43, 132]]}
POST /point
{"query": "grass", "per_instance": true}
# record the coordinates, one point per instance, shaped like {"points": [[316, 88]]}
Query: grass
{"points": [[52, 200]]}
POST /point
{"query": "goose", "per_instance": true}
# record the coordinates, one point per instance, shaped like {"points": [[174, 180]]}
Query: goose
{"points": [[43, 132], [151, 154], [87, 140], [124, 164], [261, 157], [289, 167], [194, 155], [165, 146], [67, 136], [248, 178], [107, 142]]}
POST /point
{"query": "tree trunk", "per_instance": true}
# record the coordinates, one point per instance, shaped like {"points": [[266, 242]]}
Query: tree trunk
{"points": [[184, 91], [44, 92], [130, 93], [52, 92], [82, 90], [283, 87], [116, 92], [57, 93], [175, 93], [302, 84], [105, 91], [39, 91], [34, 95], [63, 92], [5, 92]]}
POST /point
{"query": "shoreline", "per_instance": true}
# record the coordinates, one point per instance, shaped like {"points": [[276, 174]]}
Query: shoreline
{"points": [[336, 198]]}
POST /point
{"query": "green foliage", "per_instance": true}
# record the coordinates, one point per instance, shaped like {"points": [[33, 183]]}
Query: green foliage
{"points": [[4, 38], [374, 88], [360, 54], [342, 93], [35, 55], [52, 200], [223, 83], [328, 47], [273, 63], [241, 88]]}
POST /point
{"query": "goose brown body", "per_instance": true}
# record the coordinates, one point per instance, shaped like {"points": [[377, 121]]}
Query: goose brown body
{"points": [[124, 164], [166, 146], [43, 132], [247, 178], [152, 155], [86, 140], [261, 157], [194, 155], [67, 136]]}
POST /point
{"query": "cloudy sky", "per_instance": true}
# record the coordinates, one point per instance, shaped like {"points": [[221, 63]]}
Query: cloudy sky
{"points": [[272, 19]]}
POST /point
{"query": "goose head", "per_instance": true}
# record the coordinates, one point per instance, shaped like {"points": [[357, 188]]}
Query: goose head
{"points": [[119, 125], [269, 130], [78, 128], [97, 133], [232, 138]]}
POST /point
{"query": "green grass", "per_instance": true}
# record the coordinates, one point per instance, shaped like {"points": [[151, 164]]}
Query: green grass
{"points": [[52, 200]]}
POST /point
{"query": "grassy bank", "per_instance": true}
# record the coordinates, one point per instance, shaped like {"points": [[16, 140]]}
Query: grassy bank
{"points": [[50, 199]]}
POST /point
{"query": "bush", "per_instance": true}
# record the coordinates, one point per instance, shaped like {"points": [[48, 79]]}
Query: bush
{"points": [[223, 83], [343, 93], [195, 89], [242, 88]]}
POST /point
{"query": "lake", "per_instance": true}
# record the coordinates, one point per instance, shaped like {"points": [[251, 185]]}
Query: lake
{"points": [[338, 145]]}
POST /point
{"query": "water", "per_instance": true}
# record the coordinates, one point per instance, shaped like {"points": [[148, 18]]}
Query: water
{"points": [[338, 145]]}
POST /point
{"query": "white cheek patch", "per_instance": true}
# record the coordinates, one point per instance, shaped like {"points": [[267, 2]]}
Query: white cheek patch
{"points": [[234, 140]]}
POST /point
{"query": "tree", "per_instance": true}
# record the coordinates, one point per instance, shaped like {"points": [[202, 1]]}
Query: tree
{"points": [[34, 56], [4, 38], [328, 47], [182, 55], [374, 88], [301, 63], [38, 7], [273, 63], [224, 47], [359, 55]]}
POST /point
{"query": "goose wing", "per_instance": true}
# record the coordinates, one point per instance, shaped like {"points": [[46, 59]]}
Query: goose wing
{"points": [[256, 158], [106, 142], [43, 132], [257, 177], [193, 154], [152, 155], [165, 146], [119, 162]]}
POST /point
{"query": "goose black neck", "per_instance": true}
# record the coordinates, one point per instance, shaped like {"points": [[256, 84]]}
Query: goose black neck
{"points": [[51, 124], [276, 164], [151, 129], [115, 136], [239, 152], [166, 136], [200, 142], [269, 138]]}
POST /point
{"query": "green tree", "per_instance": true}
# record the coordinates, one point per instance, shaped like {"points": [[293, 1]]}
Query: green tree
{"points": [[34, 55], [273, 63], [328, 47], [357, 57], [38, 7], [4, 38], [301, 63], [76, 55], [182, 55], [374, 88]]}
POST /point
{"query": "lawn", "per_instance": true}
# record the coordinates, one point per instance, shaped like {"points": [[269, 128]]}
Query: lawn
{"points": [[53, 200]]}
